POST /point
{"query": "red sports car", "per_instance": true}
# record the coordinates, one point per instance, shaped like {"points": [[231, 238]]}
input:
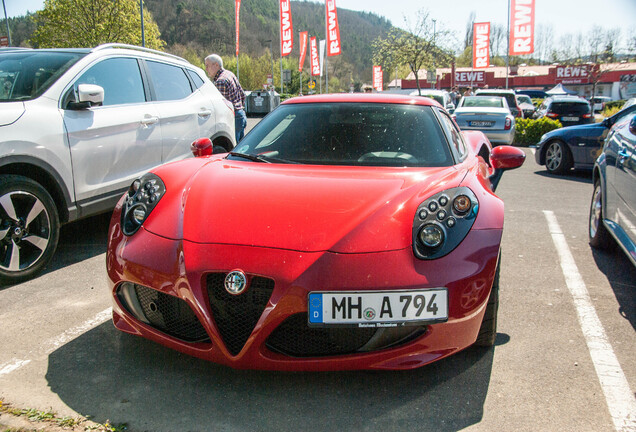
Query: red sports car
{"points": [[343, 232]]}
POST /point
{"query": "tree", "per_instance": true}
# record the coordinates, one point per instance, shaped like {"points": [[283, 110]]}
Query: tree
{"points": [[416, 47], [88, 23]]}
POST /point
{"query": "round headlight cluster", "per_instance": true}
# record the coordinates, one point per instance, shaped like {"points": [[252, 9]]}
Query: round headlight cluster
{"points": [[443, 221], [139, 201]]}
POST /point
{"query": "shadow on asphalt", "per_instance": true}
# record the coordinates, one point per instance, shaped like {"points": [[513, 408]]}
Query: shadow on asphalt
{"points": [[581, 176], [621, 275], [109, 375]]}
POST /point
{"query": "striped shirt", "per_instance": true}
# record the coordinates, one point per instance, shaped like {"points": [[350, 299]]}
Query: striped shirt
{"points": [[230, 88]]}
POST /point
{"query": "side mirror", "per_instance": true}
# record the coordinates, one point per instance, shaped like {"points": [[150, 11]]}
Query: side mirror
{"points": [[88, 95], [504, 158], [201, 147]]}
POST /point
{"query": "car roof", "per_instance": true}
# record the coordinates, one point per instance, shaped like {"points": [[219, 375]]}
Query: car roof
{"points": [[362, 98], [568, 98], [495, 91]]}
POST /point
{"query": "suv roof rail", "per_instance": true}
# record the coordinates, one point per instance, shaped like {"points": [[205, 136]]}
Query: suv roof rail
{"points": [[137, 48]]}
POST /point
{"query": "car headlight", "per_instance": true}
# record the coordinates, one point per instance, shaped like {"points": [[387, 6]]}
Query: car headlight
{"points": [[141, 198], [443, 221]]}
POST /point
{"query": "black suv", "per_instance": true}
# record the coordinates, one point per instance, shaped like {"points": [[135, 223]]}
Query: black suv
{"points": [[569, 110]]}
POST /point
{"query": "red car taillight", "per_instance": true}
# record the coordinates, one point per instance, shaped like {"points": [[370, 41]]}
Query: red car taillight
{"points": [[587, 115], [508, 124], [551, 114]]}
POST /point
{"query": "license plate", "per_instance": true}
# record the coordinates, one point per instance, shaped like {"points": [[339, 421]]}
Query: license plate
{"points": [[481, 123], [570, 118], [377, 308]]}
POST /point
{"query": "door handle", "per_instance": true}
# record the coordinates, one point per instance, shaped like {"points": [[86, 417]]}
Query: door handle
{"points": [[149, 120], [205, 113]]}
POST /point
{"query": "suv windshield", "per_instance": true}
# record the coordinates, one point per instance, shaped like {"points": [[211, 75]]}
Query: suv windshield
{"points": [[482, 101], [26, 75], [370, 134], [510, 97]]}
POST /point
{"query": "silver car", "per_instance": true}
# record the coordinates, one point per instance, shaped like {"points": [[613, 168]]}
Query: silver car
{"points": [[489, 114], [77, 126]]}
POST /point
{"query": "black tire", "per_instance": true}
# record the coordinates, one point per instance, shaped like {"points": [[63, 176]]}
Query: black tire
{"points": [[558, 158], [600, 238], [29, 228], [488, 330]]}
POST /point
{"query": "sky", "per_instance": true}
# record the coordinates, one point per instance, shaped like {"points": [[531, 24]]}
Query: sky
{"points": [[565, 16]]}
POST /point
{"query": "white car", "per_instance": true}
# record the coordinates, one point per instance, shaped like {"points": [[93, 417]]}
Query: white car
{"points": [[77, 126], [489, 114], [440, 96], [598, 102]]}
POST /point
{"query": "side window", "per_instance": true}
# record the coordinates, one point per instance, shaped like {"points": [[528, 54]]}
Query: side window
{"points": [[196, 79], [452, 131], [170, 82], [119, 77]]}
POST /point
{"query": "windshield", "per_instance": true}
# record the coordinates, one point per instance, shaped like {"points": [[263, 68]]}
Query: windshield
{"points": [[482, 101], [510, 97], [359, 134], [26, 75]]}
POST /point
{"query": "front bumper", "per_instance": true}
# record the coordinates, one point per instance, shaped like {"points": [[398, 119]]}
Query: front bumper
{"points": [[181, 271]]}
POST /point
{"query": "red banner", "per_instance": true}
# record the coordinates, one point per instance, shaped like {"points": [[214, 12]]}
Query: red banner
{"points": [[333, 30], [313, 54], [378, 78], [481, 45], [286, 30], [237, 8], [303, 50], [522, 27]]}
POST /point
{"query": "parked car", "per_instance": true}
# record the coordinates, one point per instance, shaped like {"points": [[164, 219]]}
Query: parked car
{"points": [[598, 102], [346, 231], [534, 94], [78, 125], [569, 110], [489, 114], [576, 146], [613, 207], [441, 96], [526, 105], [510, 96]]}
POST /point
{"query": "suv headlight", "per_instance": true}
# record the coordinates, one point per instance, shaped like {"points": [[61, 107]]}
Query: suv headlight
{"points": [[141, 198], [443, 221]]}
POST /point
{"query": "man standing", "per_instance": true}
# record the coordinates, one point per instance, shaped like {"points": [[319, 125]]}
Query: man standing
{"points": [[229, 86]]}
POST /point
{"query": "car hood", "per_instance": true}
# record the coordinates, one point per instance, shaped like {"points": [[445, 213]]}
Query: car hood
{"points": [[592, 129], [297, 207], [10, 112]]}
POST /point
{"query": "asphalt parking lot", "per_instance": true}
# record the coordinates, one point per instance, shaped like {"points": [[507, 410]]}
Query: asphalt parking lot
{"points": [[564, 359]]}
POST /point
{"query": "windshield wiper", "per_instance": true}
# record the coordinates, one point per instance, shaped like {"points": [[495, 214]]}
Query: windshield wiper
{"points": [[263, 159], [250, 157]]}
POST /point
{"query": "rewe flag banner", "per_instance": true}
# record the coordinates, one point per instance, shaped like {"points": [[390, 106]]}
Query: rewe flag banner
{"points": [[237, 8], [286, 30], [303, 50], [377, 78], [333, 30], [313, 57], [481, 45], [521, 27]]}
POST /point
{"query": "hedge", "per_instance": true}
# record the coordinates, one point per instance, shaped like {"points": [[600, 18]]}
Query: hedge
{"points": [[529, 131]]}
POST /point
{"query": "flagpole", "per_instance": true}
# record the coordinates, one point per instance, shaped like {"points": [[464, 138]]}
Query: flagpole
{"points": [[326, 49], [508, 47]]}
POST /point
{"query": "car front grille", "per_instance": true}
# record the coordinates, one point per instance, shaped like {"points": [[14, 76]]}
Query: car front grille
{"points": [[236, 315], [168, 314], [296, 339]]}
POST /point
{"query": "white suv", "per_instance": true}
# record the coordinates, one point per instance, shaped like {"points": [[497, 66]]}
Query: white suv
{"points": [[77, 126]]}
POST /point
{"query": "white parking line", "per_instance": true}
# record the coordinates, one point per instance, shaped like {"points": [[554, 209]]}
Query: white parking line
{"points": [[50, 346], [620, 399]]}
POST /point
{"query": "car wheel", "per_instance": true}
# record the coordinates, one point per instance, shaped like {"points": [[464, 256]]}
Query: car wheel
{"points": [[29, 228], [557, 158], [488, 330], [599, 236]]}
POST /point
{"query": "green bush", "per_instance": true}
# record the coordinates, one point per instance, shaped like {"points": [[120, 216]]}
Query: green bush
{"points": [[529, 131], [615, 104]]}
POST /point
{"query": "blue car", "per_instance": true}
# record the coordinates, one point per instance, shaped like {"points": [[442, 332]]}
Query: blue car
{"points": [[613, 207], [576, 146]]}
